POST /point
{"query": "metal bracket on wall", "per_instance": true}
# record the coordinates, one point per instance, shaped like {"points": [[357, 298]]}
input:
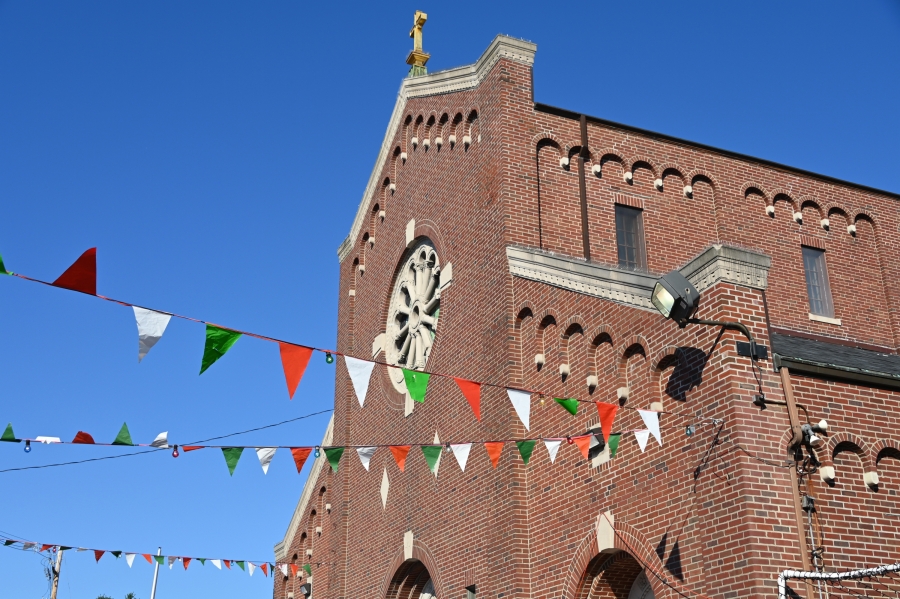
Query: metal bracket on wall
{"points": [[743, 349]]}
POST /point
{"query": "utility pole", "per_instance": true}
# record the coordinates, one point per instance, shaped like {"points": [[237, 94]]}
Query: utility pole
{"points": [[56, 569], [155, 574]]}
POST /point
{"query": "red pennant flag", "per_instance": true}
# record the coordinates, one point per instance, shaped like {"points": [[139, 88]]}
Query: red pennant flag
{"points": [[98, 554], [493, 449], [300, 454], [294, 359], [607, 412], [294, 568], [186, 561], [45, 547], [472, 391], [84, 438], [227, 563], [82, 275], [265, 569], [400, 452], [148, 557], [191, 447], [584, 444]]}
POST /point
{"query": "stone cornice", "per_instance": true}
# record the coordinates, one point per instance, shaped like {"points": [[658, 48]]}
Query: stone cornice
{"points": [[441, 82], [283, 547], [717, 263]]}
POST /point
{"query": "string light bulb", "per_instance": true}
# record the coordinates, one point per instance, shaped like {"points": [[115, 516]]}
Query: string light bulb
{"points": [[447, 448], [329, 359], [319, 453], [689, 430], [27, 446], [175, 453], [569, 440]]}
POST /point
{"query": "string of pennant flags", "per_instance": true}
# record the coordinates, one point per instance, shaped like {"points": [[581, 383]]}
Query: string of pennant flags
{"points": [[81, 276], [245, 565], [585, 442]]}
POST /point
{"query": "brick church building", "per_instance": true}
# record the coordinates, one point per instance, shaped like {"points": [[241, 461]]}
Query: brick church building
{"points": [[509, 242]]}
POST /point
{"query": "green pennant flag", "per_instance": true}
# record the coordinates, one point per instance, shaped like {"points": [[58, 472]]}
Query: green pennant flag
{"points": [[124, 437], [240, 565], [3, 270], [159, 559], [116, 553], [308, 569], [525, 449], [571, 405], [432, 453], [61, 548], [232, 455], [334, 456], [416, 384], [218, 341], [8, 542], [8, 434], [202, 561], [614, 444]]}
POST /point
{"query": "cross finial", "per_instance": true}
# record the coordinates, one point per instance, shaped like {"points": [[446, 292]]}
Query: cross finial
{"points": [[418, 57]]}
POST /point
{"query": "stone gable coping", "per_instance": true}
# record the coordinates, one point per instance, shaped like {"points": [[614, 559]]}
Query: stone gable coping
{"points": [[441, 82], [717, 263]]}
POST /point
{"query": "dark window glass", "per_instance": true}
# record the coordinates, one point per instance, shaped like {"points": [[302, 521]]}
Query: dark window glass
{"points": [[630, 238], [817, 282]]}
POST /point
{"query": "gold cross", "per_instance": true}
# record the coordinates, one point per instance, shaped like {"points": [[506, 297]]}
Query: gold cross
{"points": [[416, 32]]}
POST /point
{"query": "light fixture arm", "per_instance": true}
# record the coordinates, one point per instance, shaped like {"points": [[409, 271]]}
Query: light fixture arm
{"points": [[733, 326]]}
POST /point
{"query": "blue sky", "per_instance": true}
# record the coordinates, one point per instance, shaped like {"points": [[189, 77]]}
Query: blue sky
{"points": [[215, 153]]}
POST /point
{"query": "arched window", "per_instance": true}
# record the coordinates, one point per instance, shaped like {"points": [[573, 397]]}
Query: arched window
{"points": [[412, 581], [614, 576]]}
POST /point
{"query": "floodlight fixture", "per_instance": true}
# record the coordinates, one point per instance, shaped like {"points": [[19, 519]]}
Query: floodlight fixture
{"points": [[675, 297]]}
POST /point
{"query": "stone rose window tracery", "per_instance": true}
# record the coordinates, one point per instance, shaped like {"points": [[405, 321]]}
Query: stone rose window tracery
{"points": [[413, 312]]}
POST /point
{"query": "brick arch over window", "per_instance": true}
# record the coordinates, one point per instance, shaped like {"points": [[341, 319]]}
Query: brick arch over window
{"points": [[400, 570]]}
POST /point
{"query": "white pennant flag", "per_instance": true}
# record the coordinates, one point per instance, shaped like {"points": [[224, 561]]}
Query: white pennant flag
{"points": [[265, 455], [151, 326], [250, 568], [129, 557], [365, 455], [552, 448], [284, 568], [217, 563], [521, 401], [47, 440], [461, 453], [642, 437], [161, 440], [651, 420], [28, 546], [172, 560], [360, 372]]}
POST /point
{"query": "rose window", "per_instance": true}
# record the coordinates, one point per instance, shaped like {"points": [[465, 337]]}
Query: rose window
{"points": [[413, 312]]}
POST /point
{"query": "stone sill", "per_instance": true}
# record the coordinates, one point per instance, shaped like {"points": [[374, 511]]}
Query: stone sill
{"points": [[825, 319]]}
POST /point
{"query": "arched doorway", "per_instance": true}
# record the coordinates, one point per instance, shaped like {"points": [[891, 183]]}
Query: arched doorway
{"points": [[411, 581], [614, 576]]}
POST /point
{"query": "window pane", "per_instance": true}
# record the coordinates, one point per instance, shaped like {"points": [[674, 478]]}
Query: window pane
{"points": [[817, 287], [630, 238]]}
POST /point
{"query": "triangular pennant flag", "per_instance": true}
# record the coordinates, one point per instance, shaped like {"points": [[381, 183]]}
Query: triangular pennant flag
{"points": [[265, 455], [472, 392], [83, 438], [494, 448], [28, 546], [365, 455], [192, 447], [642, 437], [3, 270], [116, 553], [232, 456], [651, 421], [218, 341], [461, 452], [185, 561], [360, 372], [334, 456], [525, 449], [8, 542], [217, 563], [250, 568], [552, 448], [308, 568], [124, 437], [613, 444], [160, 559], [607, 414], [227, 563], [284, 569], [47, 440], [294, 359], [98, 553], [300, 454], [570, 405], [202, 560], [294, 569], [416, 383], [432, 453], [45, 547], [583, 443], [82, 275], [521, 401], [265, 568], [172, 560], [161, 440], [129, 557], [240, 564], [148, 557], [8, 434], [64, 548], [400, 452], [151, 326]]}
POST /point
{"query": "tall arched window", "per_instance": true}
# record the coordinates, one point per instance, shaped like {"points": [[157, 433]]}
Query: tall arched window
{"points": [[412, 581]]}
